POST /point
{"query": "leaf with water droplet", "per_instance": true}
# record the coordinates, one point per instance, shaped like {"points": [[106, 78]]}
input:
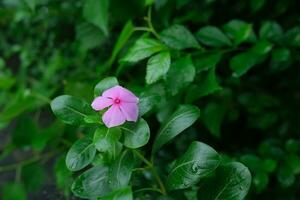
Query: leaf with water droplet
{"points": [[196, 163]]}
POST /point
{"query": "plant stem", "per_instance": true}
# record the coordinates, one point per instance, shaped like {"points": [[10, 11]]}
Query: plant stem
{"points": [[154, 172], [150, 25]]}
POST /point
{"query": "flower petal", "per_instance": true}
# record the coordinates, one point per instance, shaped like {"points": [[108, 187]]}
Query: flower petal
{"points": [[127, 96], [113, 92], [130, 110], [113, 117], [100, 103]]}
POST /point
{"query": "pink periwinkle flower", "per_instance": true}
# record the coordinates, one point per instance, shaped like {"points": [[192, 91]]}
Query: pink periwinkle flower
{"points": [[123, 106]]}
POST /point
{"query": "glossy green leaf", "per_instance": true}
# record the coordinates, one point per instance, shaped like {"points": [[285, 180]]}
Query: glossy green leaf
{"points": [[231, 182], [77, 188], [70, 110], [105, 138], [213, 115], [121, 194], [178, 37], [196, 163], [181, 74], [181, 119], [206, 61], [147, 101], [80, 154], [261, 48], [136, 134], [143, 48], [95, 181], [238, 31], [120, 171], [213, 37], [96, 12], [105, 84], [13, 191], [157, 67]]}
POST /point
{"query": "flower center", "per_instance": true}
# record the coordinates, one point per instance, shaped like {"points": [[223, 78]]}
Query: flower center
{"points": [[117, 101]]}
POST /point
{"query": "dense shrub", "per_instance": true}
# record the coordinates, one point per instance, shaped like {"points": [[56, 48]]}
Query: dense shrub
{"points": [[218, 87]]}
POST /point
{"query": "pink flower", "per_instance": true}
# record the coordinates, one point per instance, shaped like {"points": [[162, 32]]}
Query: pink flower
{"points": [[123, 106]]}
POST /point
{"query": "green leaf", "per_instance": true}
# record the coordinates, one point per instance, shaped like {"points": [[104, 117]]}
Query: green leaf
{"points": [[24, 132], [207, 85], [105, 138], [238, 30], [213, 36], [270, 30], [105, 84], [136, 134], [77, 188], [256, 5], [121, 194], [261, 48], [120, 171], [80, 154], [292, 37], [63, 176], [293, 161], [143, 48], [206, 61], [260, 181], [242, 62], [231, 181], [285, 176], [96, 12], [70, 110], [196, 163], [147, 102], [181, 74], [13, 191], [179, 38], [89, 35], [181, 119], [126, 32], [157, 67], [95, 181], [212, 116]]}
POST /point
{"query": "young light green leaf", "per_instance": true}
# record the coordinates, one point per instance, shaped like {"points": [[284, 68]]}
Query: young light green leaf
{"points": [[96, 12], [105, 138], [206, 61], [70, 110], [80, 154], [13, 191], [105, 84], [212, 117], [180, 120], [238, 30], [181, 73], [157, 67], [120, 171], [179, 38], [231, 181], [137, 134], [121, 194], [143, 48], [95, 181], [213, 36], [196, 163]]}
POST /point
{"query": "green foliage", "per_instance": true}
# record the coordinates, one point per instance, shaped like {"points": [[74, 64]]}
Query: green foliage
{"points": [[236, 61]]}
